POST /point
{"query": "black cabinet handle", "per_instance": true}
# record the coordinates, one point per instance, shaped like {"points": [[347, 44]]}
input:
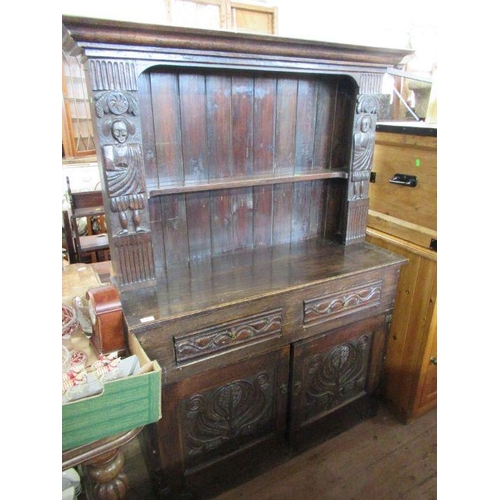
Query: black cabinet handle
{"points": [[404, 180]]}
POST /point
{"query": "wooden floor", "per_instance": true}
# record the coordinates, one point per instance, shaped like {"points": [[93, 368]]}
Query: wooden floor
{"points": [[380, 459]]}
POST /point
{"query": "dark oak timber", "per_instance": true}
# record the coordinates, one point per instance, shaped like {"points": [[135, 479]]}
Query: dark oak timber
{"points": [[235, 171]]}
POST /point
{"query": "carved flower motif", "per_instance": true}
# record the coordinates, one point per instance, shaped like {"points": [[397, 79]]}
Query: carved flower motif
{"points": [[118, 103]]}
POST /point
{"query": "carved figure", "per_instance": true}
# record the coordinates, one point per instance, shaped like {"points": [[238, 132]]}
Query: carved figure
{"points": [[124, 177], [364, 142]]}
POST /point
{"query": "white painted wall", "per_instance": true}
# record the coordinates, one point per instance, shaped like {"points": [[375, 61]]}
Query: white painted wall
{"points": [[389, 23]]}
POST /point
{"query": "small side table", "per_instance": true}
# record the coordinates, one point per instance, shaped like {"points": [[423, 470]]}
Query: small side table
{"points": [[103, 463]]}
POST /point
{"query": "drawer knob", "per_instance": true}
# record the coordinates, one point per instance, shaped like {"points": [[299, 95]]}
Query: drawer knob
{"points": [[434, 360]]}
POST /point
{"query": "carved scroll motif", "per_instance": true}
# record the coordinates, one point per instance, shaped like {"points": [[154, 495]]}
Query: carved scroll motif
{"points": [[341, 303], [336, 376], [224, 418], [222, 337]]}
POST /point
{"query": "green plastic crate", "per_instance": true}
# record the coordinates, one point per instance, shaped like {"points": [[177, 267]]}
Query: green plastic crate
{"points": [[124, 405]]}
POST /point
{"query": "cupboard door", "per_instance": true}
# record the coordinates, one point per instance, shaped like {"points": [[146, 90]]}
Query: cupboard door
{"points": [[335, 369], [219, 413], [426, 393]]}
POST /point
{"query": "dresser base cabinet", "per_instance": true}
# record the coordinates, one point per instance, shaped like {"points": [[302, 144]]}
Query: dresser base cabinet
{"points": [[222, 427], [267, 371]]}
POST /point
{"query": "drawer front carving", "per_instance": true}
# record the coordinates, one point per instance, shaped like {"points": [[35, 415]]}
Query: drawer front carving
{"points": [[221, 337], [340, 303]]}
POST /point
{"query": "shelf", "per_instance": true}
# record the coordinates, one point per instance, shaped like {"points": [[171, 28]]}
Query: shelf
{"points": [[241, 182], [411, 128], [87, 212]]}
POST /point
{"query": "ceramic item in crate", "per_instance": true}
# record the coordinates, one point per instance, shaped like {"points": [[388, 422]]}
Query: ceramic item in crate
{"points": [[69, 322]]}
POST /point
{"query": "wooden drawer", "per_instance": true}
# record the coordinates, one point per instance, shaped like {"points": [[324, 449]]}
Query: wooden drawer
{"points": [[340, 303], [198, 342], [247, 330], [344, 300]]}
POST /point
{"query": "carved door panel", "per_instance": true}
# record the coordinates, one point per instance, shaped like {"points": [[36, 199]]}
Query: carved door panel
{"points": [[226, 410], [336, 368]]}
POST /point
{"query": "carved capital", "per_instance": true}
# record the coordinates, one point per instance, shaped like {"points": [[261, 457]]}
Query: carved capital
{"points": [[112, 75], [370, 83]]}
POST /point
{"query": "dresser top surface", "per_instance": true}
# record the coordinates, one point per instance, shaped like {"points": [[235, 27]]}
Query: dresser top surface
{"points": [[246, 275]]}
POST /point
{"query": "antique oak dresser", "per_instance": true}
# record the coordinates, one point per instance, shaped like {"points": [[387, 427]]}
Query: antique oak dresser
{"points": [[235, 174]]}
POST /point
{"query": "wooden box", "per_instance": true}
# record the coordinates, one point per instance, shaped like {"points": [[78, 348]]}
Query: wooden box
{"points": [[409, 213], [402, 219], [124, 405]]}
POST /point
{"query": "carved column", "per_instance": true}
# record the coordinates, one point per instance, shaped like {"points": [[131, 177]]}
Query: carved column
{"points": [[113, 85], [363, 144]]}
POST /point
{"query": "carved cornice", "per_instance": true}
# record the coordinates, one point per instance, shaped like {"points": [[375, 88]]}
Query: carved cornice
{"points": [[89, 33]]}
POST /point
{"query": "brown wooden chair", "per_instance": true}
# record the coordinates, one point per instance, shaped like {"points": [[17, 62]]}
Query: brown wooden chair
{"points": [[69, 239], [87, 204]]}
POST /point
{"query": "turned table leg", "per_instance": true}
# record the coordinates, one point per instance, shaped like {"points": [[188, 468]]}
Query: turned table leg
{"points": [[103, 465], [107, 478]]}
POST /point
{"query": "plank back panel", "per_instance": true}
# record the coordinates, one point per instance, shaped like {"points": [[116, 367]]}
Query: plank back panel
{"points": [[193, 106], [342, 128], [286, 124], [234, 124], [167, 126], [234, 219], [264, 101], [242, 119]]}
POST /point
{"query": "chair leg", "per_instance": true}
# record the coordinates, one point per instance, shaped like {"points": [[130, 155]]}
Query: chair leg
{"points": [[68, 236]]}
